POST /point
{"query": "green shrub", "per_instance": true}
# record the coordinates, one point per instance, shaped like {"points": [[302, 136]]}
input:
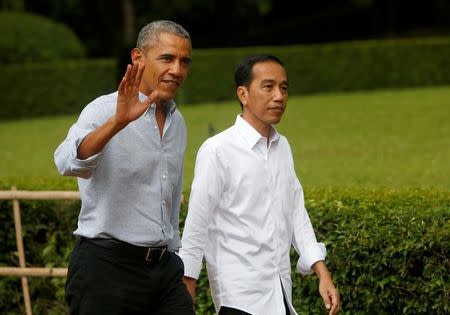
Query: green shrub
{"points": [[66, 87], [362, 65], [389, 252], [48, 241], [53, 88], [31, 38]]}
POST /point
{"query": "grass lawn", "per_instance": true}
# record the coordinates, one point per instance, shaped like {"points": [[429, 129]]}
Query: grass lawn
{"points": [[391, 138]]}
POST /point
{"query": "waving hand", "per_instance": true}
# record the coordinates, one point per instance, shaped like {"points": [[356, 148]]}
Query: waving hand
{"points": [[129, 107]]}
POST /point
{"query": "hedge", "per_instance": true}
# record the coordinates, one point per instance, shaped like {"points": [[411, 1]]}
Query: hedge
{"points": [[54, 88], [347, 66], [66, 87], [389, 252], [28, 37]]}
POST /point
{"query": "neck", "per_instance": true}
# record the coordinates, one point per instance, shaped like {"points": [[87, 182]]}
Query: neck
{"points": [[260, 126]]}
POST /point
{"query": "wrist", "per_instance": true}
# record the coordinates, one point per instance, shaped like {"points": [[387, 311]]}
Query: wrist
{"points": [[116, 124], [321, 270]]}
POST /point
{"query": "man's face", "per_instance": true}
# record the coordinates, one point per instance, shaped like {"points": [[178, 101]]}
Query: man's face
{"points": [[166, 65], [264, 101]]}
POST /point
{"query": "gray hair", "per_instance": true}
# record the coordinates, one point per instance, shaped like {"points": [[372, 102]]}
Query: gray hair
{"points": [[149, 34]]}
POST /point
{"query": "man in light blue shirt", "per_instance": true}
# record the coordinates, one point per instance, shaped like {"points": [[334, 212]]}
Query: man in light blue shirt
{"points": [[127, 150]]}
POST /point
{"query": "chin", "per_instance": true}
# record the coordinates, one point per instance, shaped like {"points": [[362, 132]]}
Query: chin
{"points": [[164, 96], [275, 120]]}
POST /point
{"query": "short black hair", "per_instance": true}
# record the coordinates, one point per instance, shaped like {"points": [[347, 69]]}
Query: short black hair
{"points": [[243, 74]]}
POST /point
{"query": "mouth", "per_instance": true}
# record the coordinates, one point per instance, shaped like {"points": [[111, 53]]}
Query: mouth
{"points": [[277, 109], [172, 83]]}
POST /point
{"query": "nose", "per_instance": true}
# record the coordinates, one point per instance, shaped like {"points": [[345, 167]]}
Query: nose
{"points": [[279, 94], [175, 68]]}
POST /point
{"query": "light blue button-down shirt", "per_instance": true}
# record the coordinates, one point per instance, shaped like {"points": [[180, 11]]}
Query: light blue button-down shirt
{"points": [[131, 190]]}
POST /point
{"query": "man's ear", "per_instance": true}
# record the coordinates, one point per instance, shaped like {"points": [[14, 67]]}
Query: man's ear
{"points": [[136, 55], [242, 94]]}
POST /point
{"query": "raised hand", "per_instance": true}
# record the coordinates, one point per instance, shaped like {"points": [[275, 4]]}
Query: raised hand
{"points": [[129, 107]]}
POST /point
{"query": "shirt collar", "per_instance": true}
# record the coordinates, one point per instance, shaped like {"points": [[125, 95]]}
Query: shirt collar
{"points": [[251, 135], [170, 105]]}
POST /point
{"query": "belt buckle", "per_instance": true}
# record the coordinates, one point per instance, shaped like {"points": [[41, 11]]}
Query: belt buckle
{"points": [[150, 250]]}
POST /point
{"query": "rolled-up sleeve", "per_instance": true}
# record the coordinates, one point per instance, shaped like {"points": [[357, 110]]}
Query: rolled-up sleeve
{"points": [[304, 239], [65, 156]]}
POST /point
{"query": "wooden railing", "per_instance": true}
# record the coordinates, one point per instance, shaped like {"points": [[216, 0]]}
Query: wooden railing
{"points": [[23, 271]]}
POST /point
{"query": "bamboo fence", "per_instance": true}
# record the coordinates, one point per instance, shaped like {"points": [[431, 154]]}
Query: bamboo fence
{"points": [[23, 271]]}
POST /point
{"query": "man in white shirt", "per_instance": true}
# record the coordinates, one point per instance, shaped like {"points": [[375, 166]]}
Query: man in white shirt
{"points": [[246, 206]]}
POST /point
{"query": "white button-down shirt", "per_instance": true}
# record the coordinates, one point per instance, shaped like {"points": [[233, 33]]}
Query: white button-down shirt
{"points": [[246, 209]]}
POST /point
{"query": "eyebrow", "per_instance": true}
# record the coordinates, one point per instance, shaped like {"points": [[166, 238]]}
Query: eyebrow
{"points": [[284, 82], [166, 56], [171, 56], [186, 59]]}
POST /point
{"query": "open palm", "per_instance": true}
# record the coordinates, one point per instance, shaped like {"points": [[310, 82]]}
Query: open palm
{"points": [[129, 107]]}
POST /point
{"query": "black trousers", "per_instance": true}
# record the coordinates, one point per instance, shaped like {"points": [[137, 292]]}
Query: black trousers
{"points": [[233, 311], [110, 281]]}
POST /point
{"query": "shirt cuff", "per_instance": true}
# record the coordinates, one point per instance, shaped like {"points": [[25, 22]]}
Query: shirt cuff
{"points": [[192, 267], [81, 166], [309, 257]]}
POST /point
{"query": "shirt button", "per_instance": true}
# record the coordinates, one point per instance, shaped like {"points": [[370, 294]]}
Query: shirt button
{"points": [[163, 202], [164, 176], [155, 127]]}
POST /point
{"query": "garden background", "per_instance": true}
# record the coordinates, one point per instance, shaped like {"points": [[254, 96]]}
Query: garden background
{"points": [[367, 119]]}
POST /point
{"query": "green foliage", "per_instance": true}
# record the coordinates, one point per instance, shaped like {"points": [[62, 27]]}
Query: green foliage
{"points": [[48, 241], [389, 252], [31, 38], [363, 65], [65, 87], [60, 87]]}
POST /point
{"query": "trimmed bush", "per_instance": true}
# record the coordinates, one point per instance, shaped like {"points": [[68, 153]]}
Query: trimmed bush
{"points": [[66, 87], [348, 66], [54, 88], [389, 252], [31, 38]]}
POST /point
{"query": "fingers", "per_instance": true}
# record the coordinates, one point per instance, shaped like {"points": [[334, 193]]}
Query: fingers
{"points": [[326, 301], [134, 71], [153, 96], [132, 77], [125, 79], [122, 85], [150, 99], [334, 302], [140, 71], [331, 301]]}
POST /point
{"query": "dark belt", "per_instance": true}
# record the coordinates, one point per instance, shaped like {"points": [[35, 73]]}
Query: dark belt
{"points": [[148, 254]]}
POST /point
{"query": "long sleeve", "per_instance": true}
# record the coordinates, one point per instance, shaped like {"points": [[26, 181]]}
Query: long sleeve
{"points": [[205, 193], [65, 156], [304, 240]]}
